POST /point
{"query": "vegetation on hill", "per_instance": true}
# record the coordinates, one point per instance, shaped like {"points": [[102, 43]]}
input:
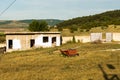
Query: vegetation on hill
{"points": [[88, 22]]}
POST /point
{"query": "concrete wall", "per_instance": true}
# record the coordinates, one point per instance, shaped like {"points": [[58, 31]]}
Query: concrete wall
{"points": [[66, 39], [82, 39], [95, 36], [116, 36], [109, 37], [22, 42], [39, 41]]}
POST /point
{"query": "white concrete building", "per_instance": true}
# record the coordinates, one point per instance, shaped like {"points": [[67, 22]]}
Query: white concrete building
{"points": [[116, 36], [95, 36], [26, 40]]}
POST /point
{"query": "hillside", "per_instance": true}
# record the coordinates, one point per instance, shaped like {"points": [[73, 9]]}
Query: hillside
{"points": [[88, 22], [24, 23]]}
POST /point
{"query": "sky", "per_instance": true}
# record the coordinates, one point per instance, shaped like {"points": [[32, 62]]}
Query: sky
{"points": [[55, 9]]}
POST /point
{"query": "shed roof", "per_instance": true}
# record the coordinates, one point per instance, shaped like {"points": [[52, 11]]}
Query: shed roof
{"points": [[30, 33]]}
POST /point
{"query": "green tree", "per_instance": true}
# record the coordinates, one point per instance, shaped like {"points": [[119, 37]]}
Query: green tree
{"points": [[33, 25], [38, 26], [73, 28], [43, 26]]}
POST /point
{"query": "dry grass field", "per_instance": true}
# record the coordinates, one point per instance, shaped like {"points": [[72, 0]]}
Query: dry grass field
{"points": [[19, 27], [49, 64], [110, 28], [12, 29], [13, 26]]}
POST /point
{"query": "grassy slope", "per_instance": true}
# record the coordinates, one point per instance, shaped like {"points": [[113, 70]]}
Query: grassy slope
{"points": [[111, 28], [48, 64], [88, 22]]}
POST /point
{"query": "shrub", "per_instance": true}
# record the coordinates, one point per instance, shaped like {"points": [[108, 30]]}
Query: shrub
{"points": [[97, 42], [73, 40]]}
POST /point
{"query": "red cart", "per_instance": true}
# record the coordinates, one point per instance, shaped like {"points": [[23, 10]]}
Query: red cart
{"points": [[69, 52]]}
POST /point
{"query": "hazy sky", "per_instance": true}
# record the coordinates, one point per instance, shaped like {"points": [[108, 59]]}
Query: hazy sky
{"points": [[55, 9]]}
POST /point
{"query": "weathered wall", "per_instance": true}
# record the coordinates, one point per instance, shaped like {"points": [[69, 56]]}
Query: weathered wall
{"points": [[95, 36], [116, 36], [109, 36], [82, 39], [66, 39], [22, 42], [39, 40]]}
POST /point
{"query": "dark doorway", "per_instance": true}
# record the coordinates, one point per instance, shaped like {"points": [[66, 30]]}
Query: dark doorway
{"points": [[61, 40], [32, 42], [45, 39], [54, 40], [10, 44]]}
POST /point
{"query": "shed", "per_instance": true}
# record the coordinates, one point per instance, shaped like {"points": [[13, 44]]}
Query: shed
{"points": [[27, 40]]}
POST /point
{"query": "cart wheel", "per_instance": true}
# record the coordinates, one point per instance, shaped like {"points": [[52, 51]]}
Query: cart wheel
{"points": [[77, 54]]}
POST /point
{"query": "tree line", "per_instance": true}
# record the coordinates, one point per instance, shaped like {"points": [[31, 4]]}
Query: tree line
{"points": [[88, 22]]}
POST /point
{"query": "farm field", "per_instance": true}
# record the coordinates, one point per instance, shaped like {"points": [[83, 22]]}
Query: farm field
{"points": [[12, 29], [49, 64]]}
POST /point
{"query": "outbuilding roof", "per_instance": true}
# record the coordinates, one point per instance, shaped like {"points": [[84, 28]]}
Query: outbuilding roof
{"points": [[30, 33]]}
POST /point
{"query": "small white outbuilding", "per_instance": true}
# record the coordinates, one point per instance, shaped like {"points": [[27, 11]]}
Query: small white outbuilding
{"points": [[26, 40]]}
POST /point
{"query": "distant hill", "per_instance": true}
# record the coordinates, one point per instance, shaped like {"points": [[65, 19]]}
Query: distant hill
{"points": [[50, 22], [88, 22], [25, 23]]}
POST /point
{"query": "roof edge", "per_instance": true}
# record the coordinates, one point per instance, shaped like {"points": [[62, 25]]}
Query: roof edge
{"points": [[15, 33]]}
